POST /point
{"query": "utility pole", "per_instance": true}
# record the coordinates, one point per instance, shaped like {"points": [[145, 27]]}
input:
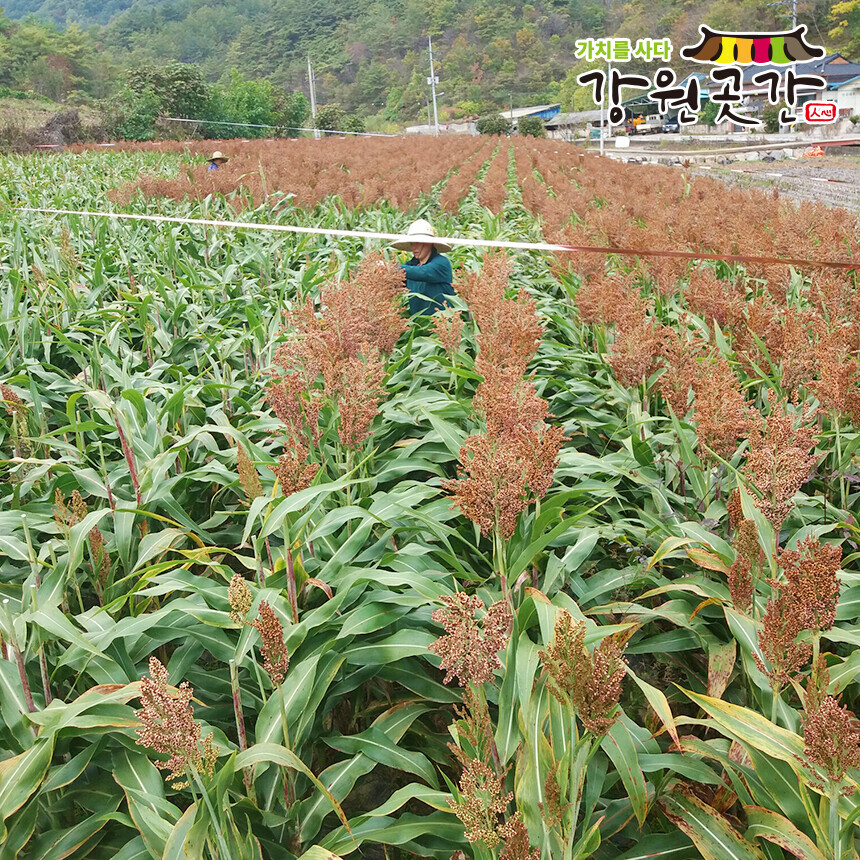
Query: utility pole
{"points": [[793, 10], [793, 27], [608, 84], [432, 82], [312, 88], [603, 116]]}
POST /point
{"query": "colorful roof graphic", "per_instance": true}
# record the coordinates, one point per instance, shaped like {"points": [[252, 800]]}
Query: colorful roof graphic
{"points": [[752, 48]]}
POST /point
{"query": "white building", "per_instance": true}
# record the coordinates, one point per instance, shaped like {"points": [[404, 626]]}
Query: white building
{"points": [[544, 112], [846, 95]]}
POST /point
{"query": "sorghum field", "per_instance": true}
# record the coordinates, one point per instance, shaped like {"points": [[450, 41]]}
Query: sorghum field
{"points": [[569, 571]]}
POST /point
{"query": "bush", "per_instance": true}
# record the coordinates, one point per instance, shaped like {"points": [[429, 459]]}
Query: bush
{"points": [[176, 89], [292, 111], [532, 126], [493, 124], [468, 107], [708, 114], [179, 88], [770, 115], [330, 118], [242, 101], [130, 115], [6, 93], [353, 123]]}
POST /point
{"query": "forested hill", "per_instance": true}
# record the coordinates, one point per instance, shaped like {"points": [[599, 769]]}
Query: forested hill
{"points": [[83, 12], [370, 56]]}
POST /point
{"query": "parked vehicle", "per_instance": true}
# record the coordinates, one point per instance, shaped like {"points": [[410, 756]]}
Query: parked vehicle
{"points": [[671, 126], [634, 123], [645, 124], [653, 123]]}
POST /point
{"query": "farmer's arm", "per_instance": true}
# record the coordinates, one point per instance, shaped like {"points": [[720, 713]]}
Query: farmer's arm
{"points": [[436, 271]]}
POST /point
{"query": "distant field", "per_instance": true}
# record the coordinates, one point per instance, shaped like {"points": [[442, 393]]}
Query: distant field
{"points": [[34, 113]]}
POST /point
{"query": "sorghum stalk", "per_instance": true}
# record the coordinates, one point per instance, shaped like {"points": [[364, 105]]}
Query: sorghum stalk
{"points": [[842, 494], [129, 458], [43, 663], [579, 760], [269, 554], [348, 471], [499, 553], [31, 555], [833, 822], [291, 582], [240, 728], [19, 658], [289, 791], [64, 600], [107, 481], [261, 577], [192, 774], [774, 704]]}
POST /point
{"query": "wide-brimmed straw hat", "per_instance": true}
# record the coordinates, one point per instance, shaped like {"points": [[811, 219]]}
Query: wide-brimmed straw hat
{"points": [[218, 156], [419, 232]]}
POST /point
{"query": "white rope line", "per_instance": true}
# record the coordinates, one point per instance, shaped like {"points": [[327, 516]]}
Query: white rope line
{"points": [[290, 228], [286, 127], [449, 240]]}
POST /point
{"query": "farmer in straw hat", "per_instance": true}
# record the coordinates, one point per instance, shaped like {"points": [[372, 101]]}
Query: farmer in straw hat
{"points": [[428, 273], [217, 158]]}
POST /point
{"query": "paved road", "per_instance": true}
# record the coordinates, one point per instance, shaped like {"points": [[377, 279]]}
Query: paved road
{"points": [[643, 149]]}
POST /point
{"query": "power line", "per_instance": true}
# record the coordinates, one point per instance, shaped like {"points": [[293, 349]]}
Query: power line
{"points": [[283, 127]]}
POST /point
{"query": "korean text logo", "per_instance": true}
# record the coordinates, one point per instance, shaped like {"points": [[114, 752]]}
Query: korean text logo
{"points": [[729, 83]]}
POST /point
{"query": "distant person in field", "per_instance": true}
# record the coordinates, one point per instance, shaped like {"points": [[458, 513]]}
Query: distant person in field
{"points": [[428, 273], [217, 159]]}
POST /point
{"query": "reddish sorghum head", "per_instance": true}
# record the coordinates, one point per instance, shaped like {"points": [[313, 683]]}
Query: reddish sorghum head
{"points": [[293, 471], [168, 727], [720, 413], [470, 647], [811, 585], [831, 737], [590, 681], [240, 598], [779, 460], [777, 639], [491, 485], [276, 659], [449, 330], [359, 389], [482, 801]]}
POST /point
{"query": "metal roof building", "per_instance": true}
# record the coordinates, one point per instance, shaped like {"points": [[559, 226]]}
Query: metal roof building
{"points": [[544, 112]]}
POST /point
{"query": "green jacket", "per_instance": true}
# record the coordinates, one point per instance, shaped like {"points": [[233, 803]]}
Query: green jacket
{"points": [[432, 282]]}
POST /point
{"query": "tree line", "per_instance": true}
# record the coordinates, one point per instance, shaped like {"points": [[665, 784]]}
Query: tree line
{"points": [[370, 58]]}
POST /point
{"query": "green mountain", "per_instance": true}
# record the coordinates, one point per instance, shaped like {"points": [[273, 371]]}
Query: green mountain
{"points": [[371, 57], [83, 12], [369, 54]]}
